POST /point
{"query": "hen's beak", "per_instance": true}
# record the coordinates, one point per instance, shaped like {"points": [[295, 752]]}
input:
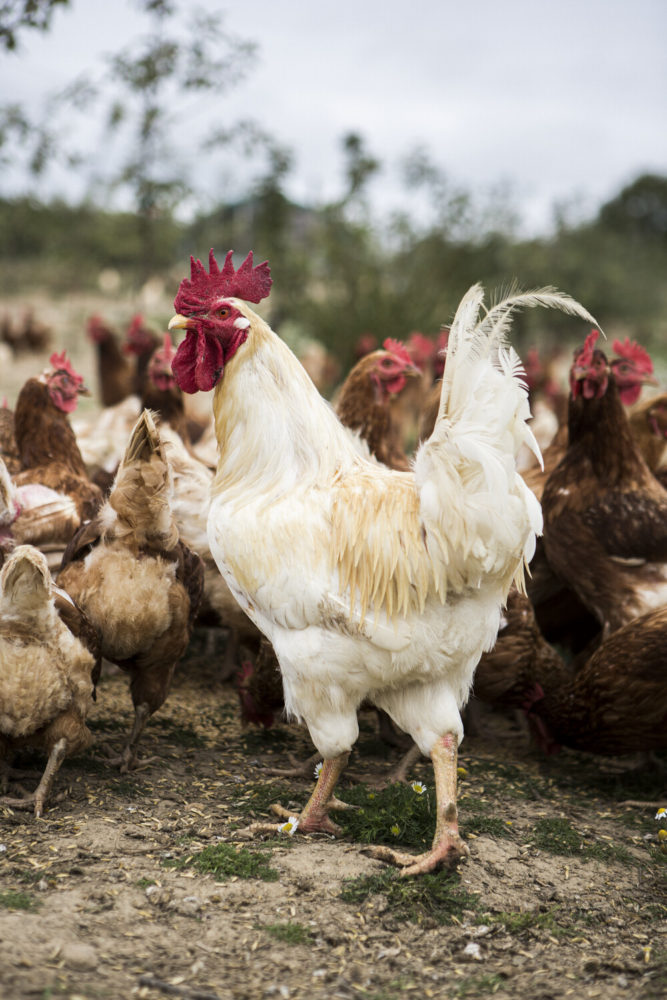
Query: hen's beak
{"points": [[179, 322], [83, 390]]}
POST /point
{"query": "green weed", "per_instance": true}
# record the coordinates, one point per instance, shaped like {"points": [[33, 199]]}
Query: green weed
{"points": [[475, 986], [394, 815], [224, 861], [143, 883], [289, 933], [436, 896], [558, 836], [17, 901]]}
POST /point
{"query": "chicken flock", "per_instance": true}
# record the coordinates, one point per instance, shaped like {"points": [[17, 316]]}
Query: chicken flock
{"points": [[349, 574]]}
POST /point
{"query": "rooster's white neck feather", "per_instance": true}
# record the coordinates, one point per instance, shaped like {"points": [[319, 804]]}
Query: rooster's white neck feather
{"points": [[274, 429]]}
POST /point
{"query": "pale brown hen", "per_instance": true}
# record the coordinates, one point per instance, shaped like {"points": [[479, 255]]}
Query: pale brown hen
{"points": [[137, 582], [49, 660]]}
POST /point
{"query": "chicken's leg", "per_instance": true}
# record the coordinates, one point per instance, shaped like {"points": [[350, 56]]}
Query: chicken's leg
{"points": [[315, 814], [448, 848], [40, 795], [127, 760]]}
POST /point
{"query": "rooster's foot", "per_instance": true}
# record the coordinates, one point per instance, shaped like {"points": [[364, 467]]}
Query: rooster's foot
{"points": [[314, 822], [447, 853]]}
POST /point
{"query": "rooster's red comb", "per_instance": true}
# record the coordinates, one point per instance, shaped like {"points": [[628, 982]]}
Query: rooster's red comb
{"points": [[61, 363], [584, 355], [398, 349], [634, 352], [250, 283]]}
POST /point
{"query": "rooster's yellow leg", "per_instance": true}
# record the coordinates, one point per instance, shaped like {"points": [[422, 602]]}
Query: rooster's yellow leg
{"points": [[315, 814], [448, 848]]}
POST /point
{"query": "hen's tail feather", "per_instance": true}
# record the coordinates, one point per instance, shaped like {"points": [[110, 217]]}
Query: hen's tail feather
{"points": [[143, 490], [25, 579]]}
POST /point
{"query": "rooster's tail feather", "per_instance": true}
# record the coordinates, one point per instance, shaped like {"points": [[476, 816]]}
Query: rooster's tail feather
{"points": [[479, 517]]}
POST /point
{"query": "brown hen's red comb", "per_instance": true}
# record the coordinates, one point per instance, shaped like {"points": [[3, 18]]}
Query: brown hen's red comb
{"points": [[398, 349], [584, 355], [250, 283], [61, 363], [633, 351]]}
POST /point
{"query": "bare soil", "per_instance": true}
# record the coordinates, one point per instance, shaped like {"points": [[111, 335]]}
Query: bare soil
{"points": [[105, 896], [140, 885]]}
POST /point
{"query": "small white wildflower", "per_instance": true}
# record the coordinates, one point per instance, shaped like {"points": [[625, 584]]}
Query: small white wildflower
{"points": [[661, 813], [395, 829], [290, 827], [318, 768], [419, 787]]}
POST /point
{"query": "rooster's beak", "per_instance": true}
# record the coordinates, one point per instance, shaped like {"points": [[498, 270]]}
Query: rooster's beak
{"points": [[83, 390], [179, 322]]}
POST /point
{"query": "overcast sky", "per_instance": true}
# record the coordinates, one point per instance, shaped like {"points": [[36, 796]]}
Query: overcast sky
{"points": [[559, 100]]}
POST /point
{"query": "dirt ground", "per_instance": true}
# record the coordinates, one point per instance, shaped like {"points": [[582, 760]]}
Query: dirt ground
{"points": [[140, 886]]}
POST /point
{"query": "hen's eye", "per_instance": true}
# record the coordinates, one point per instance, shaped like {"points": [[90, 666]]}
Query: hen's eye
{"points": [[223, 312]]}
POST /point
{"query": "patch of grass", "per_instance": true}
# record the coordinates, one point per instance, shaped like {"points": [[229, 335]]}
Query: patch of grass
{"points": [[558, 836], [490, 826], [18, 901], [437, 896], [394, 815], [289, 933], [517, 922], [30, 875], [475, 986], [143, 883], [224, 861]]}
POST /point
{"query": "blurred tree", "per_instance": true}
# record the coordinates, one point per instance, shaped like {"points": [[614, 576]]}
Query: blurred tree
{"points": [[151, 138], [639, 210], [18, 14]]}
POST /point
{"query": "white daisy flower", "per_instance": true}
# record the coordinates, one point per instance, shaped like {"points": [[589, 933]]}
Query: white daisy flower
{"points": [[318, 768], [419, 787], [661, 813], [290, 827]]}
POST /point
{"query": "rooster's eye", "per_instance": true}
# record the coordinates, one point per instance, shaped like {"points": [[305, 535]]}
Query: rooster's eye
{"points": [[223, 313]]}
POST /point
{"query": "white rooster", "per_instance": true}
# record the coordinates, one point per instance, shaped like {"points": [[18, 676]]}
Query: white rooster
{"points": [[372, 585]]}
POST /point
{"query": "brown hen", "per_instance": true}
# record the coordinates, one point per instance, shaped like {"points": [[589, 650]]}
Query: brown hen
{"points": [[49, 659], [605, 514], [47, 446], [137, 583]]}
